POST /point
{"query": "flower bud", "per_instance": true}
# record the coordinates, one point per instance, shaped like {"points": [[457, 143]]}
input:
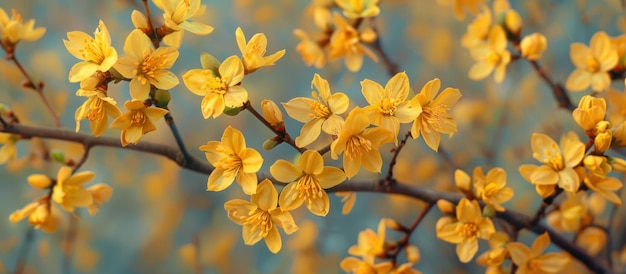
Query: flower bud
{"points": [[618, 164], [533, 46], [602, 142], [412, 254], [273, 114], [597, 165], [590, 112], [512, 23], [39, 181], [368, 35], [162, 98], [322, 18], [57, 155], [393, 224], [445, 206], [209, 62], [489, 211], [232, 111], [271, 143]]}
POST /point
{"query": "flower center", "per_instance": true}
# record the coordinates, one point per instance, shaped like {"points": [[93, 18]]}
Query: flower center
{"points": [[435, 117], [357, 146], [138, 118], [96, 110], [592, 64], [389, 106], [555, 159], [216, 85], [469, 230], [491, 189], [493, 58], [147, 69], [230, 164], [308, 187], [261, 221], [92, 51], [319, 110]]}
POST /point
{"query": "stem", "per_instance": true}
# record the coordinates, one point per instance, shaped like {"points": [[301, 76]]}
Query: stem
{"points": [[544, 205], [169, 119], [405, 240], [282, 134], [154, 36], [83, 159], [396, 152], [31, 84], [23, 253], [557, 90]]}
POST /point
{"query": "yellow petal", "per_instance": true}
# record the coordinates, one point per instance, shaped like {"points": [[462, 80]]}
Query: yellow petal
{"points": [[266, 196], [273, 241]]}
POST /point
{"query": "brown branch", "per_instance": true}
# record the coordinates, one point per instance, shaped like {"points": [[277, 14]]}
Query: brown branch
{"points": [[30, 84], [404, 242], [557, 89], [396, 152], [284, 136], [427, 195], [154, 37]]}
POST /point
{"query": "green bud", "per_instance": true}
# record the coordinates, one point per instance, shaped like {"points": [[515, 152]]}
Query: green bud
{"points": [[209, 62], [489, 211], [269, 144], [57, 155], [162, 98], [230, 111]]}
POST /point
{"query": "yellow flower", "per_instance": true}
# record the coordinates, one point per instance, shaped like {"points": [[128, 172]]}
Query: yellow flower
{"points": [[348, 199], [39, 215], [478, 30], [101, 193], [97, 53], [311, 52], [592, 239], [494, 257], [253, 52], [320, 113], [97, 108], [597, 165], [359, 8], [220, 87], [146, 66], [177, 13], [69, 191], [8, 152], [365, 266], [491, 56], [603, 136], [558, 163], [370, 243], [138, 121], [306, 182], [460, 5], [491, 189], [590, 111], [533, 46], [360, 143], [388, 107], [434, 118], [13, 30], [604, 186], [466, 229], [592, 64], [530, 260], [570, 215], [232, 160], [346, 42], [260, 217]]}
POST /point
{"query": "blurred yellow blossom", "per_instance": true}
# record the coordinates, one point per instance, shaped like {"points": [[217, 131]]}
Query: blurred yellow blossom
{"points": [[101, 194], [39, 216], [491, 56], [253, 52], [360, 143], [558, 163], [97, 108], [570, 215], [232, 161], [478, 31], [220, 86], [14, 30], [604, 186], [311, 52], [260, 217], [348, 198], [370, 243], [597, 165], [533, 46], [592, 64], [460, 6], [530, 260], [138, 121], [366, 265], [494, 257], [320, 113], [434, 118], [306, 180], [388, 106], [346, 42], [359, 8], [592, 239], [8, 151], [145, 66], [491, 188], [69, 191], [97, 53], [465, 230]]}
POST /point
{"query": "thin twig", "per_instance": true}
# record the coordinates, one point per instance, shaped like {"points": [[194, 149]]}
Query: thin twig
{"points": [[394, 158], [169, 119], [545, 203], [83, 159], [557, 89], [404, 242], [282, 134], [38, 88], [154, 36], [24, 249]]}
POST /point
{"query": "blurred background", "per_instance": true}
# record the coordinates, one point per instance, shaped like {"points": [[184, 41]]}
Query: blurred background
{"points": [[160, 218]]}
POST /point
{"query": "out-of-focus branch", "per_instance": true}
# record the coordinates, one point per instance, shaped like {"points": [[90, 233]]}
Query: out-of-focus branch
{"points": [[557, 89], [38, 88]]}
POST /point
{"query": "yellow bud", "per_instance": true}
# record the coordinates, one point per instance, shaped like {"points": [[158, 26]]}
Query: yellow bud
{"points": [[602, 142], [533, 46], [393, 224], [271, 143], [273, 114], [590, 112], [445, 206], [618, 164], [597, 165], [39, 181], [412, 254], [513, 22], [368, 35], [322, 18]]}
